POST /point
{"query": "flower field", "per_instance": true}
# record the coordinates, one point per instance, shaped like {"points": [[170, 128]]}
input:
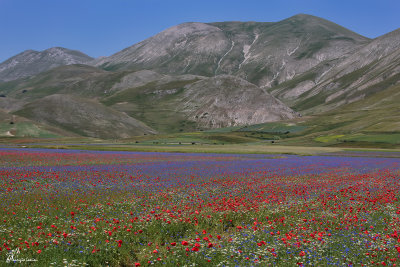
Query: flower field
{"points": [[77, 208]]}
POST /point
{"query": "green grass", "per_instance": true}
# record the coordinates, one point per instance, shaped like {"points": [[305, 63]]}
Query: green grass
{"points": [[260, 148], [23, 129], [309, 76], [393, 138], [258, 72], [7, 87], [328, 138], [311, 50], [149, 103], [370, 122], [273, 127], [309, 102], [224, 130], [28, 111], [362, 139]]}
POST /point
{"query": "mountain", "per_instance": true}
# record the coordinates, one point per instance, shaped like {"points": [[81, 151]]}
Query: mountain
{"points": [[377, 113], [71, 79], [200, 76], [369, 122], [194, 102], [366, 71], [83, 117], [15, 126], [166, 103], [32, 62], [265, 54]]}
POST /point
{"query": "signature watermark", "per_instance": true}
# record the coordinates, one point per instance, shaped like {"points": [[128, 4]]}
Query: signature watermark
{"points": [[12, 256]]}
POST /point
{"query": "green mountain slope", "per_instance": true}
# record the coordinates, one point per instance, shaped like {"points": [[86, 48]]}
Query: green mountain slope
{"points": [[16, 126], [374, 119], [84, 117], [186, 104], [369, 70], [164, 102]]}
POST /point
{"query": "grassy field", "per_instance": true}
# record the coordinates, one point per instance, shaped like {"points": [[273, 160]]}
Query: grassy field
{"points": [[236, 149], [22, 129]]}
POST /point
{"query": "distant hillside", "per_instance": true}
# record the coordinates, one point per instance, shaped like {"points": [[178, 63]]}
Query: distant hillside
{"points": [[190, 103], [378, 113], [32, 62], [84, 117], [72, 79], [369, 70], [164, 102], [15, 126]]}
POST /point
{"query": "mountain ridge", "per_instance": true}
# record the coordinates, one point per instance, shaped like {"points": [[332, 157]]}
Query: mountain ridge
{"points": [[31, 62], [198, 76], [239, 48]]}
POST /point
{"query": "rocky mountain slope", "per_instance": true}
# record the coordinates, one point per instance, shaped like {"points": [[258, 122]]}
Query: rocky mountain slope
{"points": [[371, 69], [265, 54], [195, 102], [32, 62], [309, 63], [197, 76]]}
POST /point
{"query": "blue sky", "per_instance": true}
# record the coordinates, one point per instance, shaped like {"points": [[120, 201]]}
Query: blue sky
{"points": [[103, 27]]}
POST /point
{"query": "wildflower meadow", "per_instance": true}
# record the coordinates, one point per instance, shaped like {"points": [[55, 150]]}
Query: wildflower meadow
{"points": [[90, 208]]}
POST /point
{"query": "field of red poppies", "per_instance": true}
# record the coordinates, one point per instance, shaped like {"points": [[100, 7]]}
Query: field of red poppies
{"points": [[76, 208]]}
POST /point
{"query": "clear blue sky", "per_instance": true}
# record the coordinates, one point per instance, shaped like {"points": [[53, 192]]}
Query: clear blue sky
{"points": [[103, 27]]}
